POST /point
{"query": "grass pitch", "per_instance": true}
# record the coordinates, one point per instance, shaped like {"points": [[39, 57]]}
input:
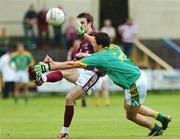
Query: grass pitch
{"points": [[42, 118]]}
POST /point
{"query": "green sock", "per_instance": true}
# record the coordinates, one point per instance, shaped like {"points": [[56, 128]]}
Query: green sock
{"points": [[160, 117], [156, 127]]}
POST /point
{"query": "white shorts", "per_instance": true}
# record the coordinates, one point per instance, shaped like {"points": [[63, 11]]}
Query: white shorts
{"points": [[22, 77], [105, 78], [89, 80], [135, 96]]}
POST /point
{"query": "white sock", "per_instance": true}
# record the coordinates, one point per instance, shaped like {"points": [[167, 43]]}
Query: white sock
{"points": [[44, 78], [65, 130]]}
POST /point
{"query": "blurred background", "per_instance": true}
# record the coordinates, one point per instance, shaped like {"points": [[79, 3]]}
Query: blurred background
{"points": [[151, 27], [148, 31]]}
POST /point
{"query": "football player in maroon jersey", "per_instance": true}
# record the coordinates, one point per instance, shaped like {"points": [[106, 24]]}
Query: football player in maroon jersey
{"points": [[84, 79]]}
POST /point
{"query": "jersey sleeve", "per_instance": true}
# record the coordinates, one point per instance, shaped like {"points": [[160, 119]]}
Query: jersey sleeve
{"points": [[93, 60]]}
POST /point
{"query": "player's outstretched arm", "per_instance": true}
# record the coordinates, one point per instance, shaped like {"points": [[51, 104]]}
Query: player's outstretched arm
{"points": [[45, 67], [65, 65]]}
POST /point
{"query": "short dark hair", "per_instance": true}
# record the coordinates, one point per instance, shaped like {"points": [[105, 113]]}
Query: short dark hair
{"points": [[88, 17], [102, 39]]}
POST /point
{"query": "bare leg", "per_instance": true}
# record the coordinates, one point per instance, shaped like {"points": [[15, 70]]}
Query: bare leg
{"points": [[164, 119], [76, 93], [132, 114], [70, 75], [146, 111]]}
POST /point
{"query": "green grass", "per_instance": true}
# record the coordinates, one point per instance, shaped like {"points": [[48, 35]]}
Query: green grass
{"points": [[43, 118]]}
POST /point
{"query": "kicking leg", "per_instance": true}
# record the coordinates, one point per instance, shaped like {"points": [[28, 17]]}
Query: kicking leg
{"points": [[53, 76]]}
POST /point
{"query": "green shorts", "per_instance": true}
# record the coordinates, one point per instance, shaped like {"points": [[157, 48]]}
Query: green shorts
{"points": [[135, 96]]}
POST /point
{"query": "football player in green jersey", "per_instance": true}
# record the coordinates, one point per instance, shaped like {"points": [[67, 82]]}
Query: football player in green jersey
{"points": [[22, 60], [110, 58]]}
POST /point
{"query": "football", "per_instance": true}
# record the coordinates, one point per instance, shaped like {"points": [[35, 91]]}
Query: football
{"points": [[55, 16]]}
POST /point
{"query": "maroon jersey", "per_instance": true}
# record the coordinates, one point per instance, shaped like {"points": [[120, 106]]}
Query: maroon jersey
{"points": [[72, 53], [85, 46]]}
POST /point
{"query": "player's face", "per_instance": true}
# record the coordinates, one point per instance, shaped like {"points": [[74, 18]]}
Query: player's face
{"points": [[20, 48], [85, 24]]}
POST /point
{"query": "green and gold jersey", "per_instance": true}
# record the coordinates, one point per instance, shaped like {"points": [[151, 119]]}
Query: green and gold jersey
{"points": [[116, 65], [22, 61]]}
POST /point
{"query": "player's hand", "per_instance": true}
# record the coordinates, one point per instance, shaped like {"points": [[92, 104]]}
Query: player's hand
{"points": [[48, 59], [79, 28], [41, 68]]}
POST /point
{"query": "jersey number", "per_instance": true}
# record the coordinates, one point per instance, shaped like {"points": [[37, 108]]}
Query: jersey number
{"points": [[121, 56]]}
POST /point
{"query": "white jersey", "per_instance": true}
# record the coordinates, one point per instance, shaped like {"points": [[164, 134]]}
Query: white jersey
{"points": [[110, 31], [128, 32], [7, 69]]}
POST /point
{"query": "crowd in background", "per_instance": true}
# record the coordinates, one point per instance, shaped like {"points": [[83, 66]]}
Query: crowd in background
{"points": [[62, 35]]}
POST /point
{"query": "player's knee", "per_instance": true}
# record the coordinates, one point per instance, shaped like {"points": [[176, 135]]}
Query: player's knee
{"points": [[69, 99], [130, 117]]}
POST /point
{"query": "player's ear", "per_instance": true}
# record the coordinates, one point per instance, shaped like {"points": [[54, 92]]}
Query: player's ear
{"points": [[100, 46], [91, 24]]}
